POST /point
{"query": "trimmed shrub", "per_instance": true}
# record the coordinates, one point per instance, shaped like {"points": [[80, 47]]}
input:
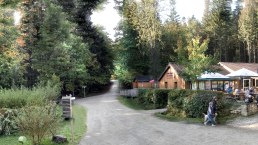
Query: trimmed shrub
{"points": [[197, 103], [152, 98], [161, 98], [176, 98], [191, 103], [176, 102], [145, 98]]}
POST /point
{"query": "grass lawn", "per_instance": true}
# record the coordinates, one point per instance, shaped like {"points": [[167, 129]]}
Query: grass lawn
{"points": [[131, 103], [79, 125], [176, 119], [9, 140]]}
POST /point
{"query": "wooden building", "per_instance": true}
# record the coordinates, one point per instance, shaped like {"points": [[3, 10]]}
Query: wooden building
{"points": [[143, 82], [171, 79], [242, 82], [212, 81]]}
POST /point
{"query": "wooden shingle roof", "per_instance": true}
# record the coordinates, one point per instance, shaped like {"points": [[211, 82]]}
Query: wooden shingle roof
{"points": [[178, 69]]}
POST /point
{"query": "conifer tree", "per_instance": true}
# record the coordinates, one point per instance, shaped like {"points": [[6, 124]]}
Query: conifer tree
{"points": [[102, 61], [218, 28], [143, 16], [248, 23], [173, 16]]}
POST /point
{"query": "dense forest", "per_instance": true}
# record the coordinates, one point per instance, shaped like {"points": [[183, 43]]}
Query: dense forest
{"points": [[228, 32], [56, 40]]}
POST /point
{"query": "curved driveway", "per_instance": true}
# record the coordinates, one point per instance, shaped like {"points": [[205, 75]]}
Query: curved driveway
{"points": [[111, 123]]}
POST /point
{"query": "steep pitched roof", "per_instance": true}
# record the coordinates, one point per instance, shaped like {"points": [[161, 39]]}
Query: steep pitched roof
{"points": [[220, 69], [234, 66], [178, 69]]}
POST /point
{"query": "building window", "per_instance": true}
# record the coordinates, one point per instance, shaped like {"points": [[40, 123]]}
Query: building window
{"points": [[246, 83], [194, 86], [166, 85], [201, 85], [256, 82], [170, 74], [207, 85], [220, 86], [175, 85], [214, 85]]}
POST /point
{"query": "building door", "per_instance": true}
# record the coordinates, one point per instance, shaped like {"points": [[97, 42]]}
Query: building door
{"points": [[166, 85], [246, 84]]}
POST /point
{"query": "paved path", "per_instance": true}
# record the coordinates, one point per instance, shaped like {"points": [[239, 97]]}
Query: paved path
{"points": [[111, 123]]}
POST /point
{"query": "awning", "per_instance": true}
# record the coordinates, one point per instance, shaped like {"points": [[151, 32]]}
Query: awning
{"points": [[243, 72], [213, 76]]}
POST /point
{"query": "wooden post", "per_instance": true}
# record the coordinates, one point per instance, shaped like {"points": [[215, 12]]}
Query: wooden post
{"points": [[68, 111], [67, 107]]}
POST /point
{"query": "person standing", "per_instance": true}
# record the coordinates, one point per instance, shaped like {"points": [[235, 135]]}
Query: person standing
{"points": [[212, 112], [226, 87]]}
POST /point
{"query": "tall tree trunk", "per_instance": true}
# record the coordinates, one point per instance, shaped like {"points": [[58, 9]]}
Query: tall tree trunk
{"points": [[249, 52], [154, 61], [254, 51]]}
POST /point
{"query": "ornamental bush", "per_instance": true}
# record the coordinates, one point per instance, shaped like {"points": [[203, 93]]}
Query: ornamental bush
{"points": [[8, 125], [38, 122]]}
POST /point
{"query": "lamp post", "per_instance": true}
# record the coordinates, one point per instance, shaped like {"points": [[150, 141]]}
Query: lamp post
{"points": [[83, 90]]}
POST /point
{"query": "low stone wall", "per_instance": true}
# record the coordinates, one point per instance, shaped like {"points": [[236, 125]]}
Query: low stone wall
{"points": [[249, 109]]}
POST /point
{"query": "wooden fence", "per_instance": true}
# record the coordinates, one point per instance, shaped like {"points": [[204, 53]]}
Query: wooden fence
{"points": [[129, 93]]}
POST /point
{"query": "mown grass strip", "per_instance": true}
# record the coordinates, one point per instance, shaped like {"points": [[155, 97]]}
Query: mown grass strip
{"points": [[130, 103], [178, 119]]}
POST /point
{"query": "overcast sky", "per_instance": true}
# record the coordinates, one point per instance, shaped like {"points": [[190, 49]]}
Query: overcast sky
{"points": [[109, 18]]}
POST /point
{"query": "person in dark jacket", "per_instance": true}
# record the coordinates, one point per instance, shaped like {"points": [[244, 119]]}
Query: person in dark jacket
{"points": [[212, 112]]}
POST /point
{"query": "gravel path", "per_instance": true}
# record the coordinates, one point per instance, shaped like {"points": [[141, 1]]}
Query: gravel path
{"points": [[111, 123], [250, 122]]}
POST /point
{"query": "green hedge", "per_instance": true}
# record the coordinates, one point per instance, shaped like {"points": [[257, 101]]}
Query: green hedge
{"points": [[161, 99], [190, 103], [183, 103], [198, 103], [176, 102], [152, 98]]}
